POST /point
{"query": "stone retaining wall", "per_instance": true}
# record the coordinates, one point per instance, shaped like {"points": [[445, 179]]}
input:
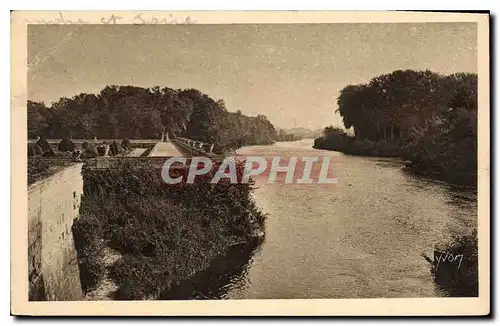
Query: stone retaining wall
{"points": [[53, 204]]}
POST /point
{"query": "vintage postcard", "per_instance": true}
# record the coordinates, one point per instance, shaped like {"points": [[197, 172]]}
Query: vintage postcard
{"points": [[250, 163]]}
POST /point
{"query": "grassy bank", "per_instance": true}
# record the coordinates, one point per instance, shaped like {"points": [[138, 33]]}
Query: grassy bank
{"points": [[444, 157], [349, 145], [165, 233]]}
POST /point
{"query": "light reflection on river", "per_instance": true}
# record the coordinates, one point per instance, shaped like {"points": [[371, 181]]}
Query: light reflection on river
{"points": [[362, 237]]}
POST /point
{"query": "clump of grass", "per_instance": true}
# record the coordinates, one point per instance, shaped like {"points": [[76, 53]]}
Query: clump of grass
{"points": [[455, 266]]}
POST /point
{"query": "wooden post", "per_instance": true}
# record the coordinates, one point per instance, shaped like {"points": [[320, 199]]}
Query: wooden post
{"points": [[392, 130]]}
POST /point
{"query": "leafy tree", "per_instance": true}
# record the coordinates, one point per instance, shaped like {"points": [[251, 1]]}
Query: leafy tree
{"points": [[438, 112], [403, 98]]}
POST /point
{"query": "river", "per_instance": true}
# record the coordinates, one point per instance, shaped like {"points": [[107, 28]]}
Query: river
{"points": [[362, 237]]}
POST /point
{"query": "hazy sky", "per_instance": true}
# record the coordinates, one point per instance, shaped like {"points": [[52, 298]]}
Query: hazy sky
{"points": [[290, 73]]}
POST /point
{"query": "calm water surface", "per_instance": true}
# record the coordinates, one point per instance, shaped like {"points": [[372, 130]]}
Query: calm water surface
{"points": [[361, 237]]}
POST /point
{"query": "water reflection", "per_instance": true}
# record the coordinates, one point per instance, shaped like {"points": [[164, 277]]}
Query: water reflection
{"points": [[226, 274]]}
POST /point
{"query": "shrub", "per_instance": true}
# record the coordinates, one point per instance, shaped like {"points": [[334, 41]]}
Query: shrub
{"points": [[38, 150], [126, 145], [49, 153], [446, 149], [459, 277], [44, 144], [66, 145], [31, 151], [90, 151], [114, 149], [47, 150]]}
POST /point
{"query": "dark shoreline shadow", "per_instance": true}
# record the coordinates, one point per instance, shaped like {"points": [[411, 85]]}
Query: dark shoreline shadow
{"points": [[224, 274]]}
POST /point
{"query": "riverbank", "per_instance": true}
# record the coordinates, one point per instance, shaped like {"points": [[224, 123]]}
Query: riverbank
{"points": [[468, 180], [163, 234], [348, 145]]}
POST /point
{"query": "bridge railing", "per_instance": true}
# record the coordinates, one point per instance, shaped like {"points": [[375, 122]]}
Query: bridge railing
{"points": [[195, 144]]}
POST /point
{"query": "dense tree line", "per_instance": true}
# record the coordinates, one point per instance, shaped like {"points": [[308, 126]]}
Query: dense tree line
{"points": [[283, 135], [406, 99], [136, 112], [435, 118]]}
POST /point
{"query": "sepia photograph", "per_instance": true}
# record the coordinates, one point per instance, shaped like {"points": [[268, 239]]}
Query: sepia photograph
{"points": [[171, 160]]}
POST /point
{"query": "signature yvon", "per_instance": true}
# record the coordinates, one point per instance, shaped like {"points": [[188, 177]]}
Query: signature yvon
{"points": [[447, 257]]}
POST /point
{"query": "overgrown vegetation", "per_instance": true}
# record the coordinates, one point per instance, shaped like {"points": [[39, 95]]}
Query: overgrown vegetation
{"points": [[145, 113], [424, 117], [337, 139], [165, 233]]}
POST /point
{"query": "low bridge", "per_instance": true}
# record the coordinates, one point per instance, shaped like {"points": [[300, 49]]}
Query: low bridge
{"points": [[180, 146]]}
